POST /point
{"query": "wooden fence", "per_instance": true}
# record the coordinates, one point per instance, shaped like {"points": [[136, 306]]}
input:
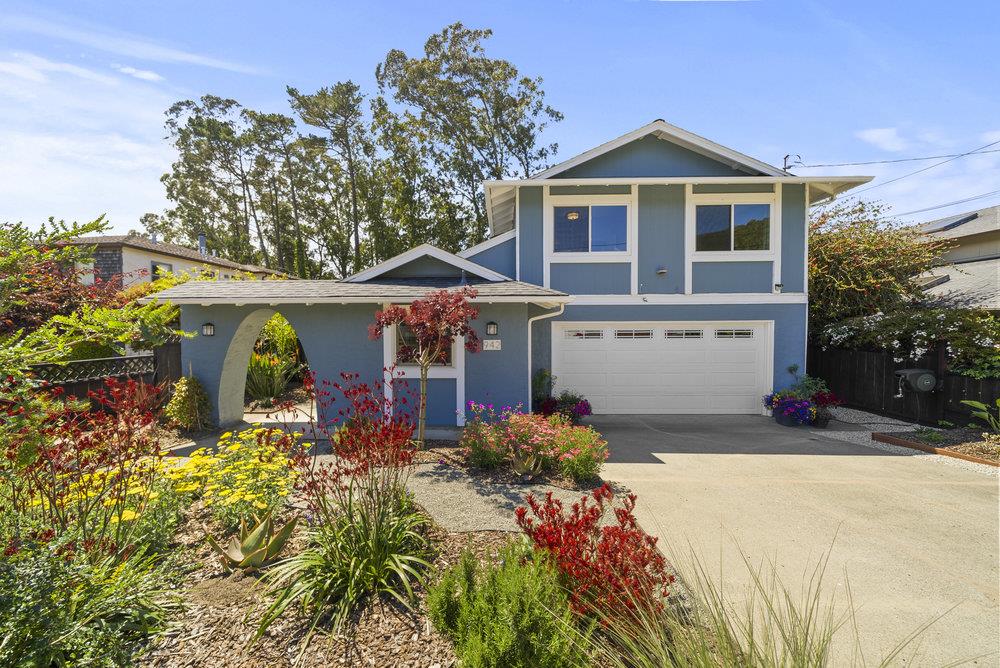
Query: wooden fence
{"points": [[79, 377], [867, 380]]}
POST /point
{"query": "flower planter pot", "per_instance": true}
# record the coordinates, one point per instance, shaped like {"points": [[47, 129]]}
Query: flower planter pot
{"points": [[786, 420]]}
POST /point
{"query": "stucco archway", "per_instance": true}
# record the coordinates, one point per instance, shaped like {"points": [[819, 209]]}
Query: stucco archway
{"points": [[233, 377]]}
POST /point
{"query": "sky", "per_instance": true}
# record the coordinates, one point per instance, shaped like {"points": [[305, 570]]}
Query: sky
{"points": [[84, 84]]}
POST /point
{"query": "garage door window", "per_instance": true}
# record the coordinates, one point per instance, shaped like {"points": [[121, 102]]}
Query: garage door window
{"points": [[584, 334], [633, 333], [683, 334], [734, 333]]}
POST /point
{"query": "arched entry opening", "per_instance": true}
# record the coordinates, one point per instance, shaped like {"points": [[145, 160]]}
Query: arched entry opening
{"points": [[263, 360]]}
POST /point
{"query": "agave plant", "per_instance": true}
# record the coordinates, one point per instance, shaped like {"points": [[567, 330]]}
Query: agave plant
{"points": [[255, 547]]}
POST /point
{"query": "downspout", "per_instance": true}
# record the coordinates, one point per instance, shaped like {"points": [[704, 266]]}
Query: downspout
{"points": [[531, 321]]}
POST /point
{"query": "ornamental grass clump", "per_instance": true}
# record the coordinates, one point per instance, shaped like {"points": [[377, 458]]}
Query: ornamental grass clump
{"points": [[367, 538], [249, 474], [268, 376]]}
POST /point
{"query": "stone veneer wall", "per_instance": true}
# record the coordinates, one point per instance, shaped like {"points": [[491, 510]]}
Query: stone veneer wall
{"points": [[107, 263]]}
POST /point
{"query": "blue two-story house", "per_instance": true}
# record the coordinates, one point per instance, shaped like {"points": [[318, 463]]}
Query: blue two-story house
{"points": [[657, 273]]}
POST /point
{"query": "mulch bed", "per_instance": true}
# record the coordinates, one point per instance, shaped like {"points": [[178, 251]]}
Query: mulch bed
{"points": [[221, 613], [963, 440], [449, 453]]}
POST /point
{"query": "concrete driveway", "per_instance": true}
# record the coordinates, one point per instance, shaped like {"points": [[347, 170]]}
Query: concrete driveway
{"points": [[915, 538]]}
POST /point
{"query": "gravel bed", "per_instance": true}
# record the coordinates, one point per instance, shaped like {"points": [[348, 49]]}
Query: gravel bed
{"points": [[883, 424], [460, 503]]}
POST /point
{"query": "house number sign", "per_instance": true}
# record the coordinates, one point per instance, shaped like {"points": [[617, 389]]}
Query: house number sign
{"points": [[491, 344]]}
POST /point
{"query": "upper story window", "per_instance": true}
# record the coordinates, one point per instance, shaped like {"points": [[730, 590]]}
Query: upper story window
{"points": [[590, 229], [158, 269], [732, 227]]}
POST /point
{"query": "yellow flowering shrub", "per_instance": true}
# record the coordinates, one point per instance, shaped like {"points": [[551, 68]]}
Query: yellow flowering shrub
{"points": [[249, 474]]}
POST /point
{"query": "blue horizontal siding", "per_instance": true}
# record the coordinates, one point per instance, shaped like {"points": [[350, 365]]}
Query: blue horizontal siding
{"points": [[591, 278], [731, 277]]}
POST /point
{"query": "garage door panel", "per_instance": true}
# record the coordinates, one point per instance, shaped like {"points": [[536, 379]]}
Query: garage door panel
{"points": [[720, 373]]}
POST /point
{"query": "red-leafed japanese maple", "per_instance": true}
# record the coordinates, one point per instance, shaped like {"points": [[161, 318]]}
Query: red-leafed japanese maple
{"points": [[607, 568], [434, 323]]}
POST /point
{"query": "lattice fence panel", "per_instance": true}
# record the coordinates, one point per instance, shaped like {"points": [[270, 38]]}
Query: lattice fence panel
{"points": [[95, 369]]}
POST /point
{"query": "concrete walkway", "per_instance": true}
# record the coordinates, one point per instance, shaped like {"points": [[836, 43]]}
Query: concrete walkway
{"points": [[915, 538]]}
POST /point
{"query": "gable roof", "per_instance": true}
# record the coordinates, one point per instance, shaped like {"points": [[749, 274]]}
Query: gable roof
{"points": [[965, 224], [429, 251], [671, 133], [501, 194], [965, 285], [164, 248], [399, 290]]}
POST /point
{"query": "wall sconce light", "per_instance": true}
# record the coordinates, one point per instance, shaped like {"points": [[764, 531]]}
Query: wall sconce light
{"points": [[208, 329], [492, 329], [778, 287]]}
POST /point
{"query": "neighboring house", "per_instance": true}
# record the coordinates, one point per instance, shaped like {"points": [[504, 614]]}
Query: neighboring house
{"points": [[137, 259], [657, 273], [969, 275]]}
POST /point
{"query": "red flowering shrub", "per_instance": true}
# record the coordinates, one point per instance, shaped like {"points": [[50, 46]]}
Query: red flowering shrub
{"points": [[825, 399], [83, 475], [607, 568]]}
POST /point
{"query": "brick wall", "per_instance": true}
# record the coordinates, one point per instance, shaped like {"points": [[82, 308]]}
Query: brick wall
{"points": [[107, 262]]}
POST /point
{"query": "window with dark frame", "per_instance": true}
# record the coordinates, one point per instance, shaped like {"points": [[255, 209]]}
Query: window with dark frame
{"points": [[732, 227], [590, 229], [406, 348], [158, 268]]}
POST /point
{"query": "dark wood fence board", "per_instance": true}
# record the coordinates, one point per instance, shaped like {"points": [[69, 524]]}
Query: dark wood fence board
{"points": [[865, 379]]}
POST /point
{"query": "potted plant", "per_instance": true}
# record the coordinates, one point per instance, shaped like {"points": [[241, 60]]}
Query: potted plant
{"points": [[789, 410]]}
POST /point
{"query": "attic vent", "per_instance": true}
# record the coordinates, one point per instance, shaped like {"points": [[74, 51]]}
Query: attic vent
{"points": [[734, 333], [584, 334], [683, 334], [633, 333]]}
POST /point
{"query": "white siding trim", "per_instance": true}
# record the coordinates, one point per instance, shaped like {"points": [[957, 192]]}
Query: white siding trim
{"points": [[692, 299]]}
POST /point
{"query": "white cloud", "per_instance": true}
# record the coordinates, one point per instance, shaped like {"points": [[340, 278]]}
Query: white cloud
{"points": [[887, 139], [145, 75], [77, 143], [121, 44], [991, 136]]}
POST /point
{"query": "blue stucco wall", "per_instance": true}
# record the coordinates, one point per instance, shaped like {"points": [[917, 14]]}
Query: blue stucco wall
{"points": [[500, 258], [500, 377], [793, 235], [334, 338], [650, 156], [594, 278], [731, 277], [789, 327], [531, 245], [661, 239]]}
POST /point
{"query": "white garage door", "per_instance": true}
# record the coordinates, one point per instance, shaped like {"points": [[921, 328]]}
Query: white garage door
{"points": [[664, 367]]}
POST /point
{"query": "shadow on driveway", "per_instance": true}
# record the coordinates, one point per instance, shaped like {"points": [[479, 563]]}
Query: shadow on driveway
{"points": [[635, 439]]}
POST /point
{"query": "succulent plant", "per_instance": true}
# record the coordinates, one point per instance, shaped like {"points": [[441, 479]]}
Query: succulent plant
{"points": [[255, 546]]}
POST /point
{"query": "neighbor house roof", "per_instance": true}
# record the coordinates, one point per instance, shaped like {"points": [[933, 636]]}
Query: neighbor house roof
{"points": [[330, 291], [501, 194], [966, 285], [174, 250], [965, 224]]}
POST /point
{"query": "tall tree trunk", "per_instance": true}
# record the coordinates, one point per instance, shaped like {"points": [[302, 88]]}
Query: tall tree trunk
{"points": [[355, 221], [422, 419], [300, 252]]}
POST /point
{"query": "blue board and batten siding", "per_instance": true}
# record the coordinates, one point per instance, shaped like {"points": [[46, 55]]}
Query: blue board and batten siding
{"points": [[500, 258], [651, 157]]}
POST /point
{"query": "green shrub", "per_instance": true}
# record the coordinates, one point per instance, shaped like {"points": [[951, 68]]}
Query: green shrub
{"points": [[268, 376], [63, 613], [514, 614], [189, 407], [582, 452], [277, 337]]}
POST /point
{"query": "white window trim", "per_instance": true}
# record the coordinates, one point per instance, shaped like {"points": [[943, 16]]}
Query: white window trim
{"points": [[411, 372], [549, 256], [772, 255]]}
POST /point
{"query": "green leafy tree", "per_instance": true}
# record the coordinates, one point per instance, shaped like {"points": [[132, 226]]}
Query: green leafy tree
{"points": [[862, 262], [479, 117]]}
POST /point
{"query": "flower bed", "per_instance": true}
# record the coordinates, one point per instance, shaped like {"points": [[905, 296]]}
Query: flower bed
{"points": [[531, 445]]}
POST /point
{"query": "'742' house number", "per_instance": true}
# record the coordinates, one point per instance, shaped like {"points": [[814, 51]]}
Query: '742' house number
{"points": [[491, 344]]}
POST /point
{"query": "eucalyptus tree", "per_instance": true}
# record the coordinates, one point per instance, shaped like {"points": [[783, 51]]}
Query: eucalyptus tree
{"points": [[480, 118]]}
